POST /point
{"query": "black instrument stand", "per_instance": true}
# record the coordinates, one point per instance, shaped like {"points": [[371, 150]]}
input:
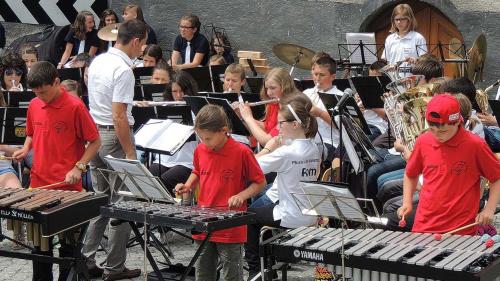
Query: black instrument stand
{"points": [[77, 262]]}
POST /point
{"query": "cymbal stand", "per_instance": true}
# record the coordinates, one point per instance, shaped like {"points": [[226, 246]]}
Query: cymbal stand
{"points": [[296, 60]]}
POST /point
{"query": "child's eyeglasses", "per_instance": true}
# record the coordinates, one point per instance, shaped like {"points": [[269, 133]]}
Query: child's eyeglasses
{"points": [[10, 71]]}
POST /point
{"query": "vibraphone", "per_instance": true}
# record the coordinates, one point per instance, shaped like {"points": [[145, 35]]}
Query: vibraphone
{"points": [[47, 212], [194, 218], [377, 255], [187, 217]]}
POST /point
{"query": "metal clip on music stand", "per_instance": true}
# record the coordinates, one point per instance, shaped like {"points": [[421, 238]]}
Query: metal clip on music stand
{"points": [[322, 199]]}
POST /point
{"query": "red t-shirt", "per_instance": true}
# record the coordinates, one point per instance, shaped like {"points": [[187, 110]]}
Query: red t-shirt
{"points": [[59, 130], [271, 121], [222, 174], [449, 197]]}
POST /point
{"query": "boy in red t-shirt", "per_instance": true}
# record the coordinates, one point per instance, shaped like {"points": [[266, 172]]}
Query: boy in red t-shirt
{"points": [[223, 167], [451, 160], [58, 127]]}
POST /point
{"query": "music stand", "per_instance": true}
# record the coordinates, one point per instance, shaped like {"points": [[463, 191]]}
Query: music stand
{"points": [[153, 92], [443, 49], [18, 99], [231, 97], [237, 125], [255, 84], [71, 74], [341, 84], [142, 115], [138, 180], [333, 201], [180, 113], [370, 90], [13, 125], [495, 108], [208, 78], [258, 111], [142, 74]]}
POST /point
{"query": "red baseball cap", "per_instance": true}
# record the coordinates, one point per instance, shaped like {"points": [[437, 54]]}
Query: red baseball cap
{"points": [[443, 109]]}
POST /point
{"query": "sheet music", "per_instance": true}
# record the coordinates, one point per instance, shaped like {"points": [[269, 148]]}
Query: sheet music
{"points": [[163, 135], [349, 148], [321, 204], [147, 184], [355, 50]]}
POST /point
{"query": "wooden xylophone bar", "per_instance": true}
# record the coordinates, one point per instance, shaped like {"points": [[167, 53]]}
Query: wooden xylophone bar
{"points": [[387, 255]]}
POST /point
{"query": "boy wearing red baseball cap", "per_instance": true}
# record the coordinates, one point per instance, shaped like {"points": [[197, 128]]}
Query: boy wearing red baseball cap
{"points": [[451, 160]]}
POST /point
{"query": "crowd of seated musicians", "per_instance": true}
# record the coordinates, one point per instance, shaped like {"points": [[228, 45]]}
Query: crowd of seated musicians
{"points": [[257, 173]]}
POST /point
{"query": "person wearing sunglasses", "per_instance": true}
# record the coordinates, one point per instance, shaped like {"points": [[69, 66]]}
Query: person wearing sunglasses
{"points": [[190, 47], [401, 44], [13, 71]]}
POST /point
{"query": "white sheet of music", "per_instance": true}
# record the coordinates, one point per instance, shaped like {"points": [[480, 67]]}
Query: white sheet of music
{"points": [[349, 148], [146, 185], [322, 205], [369, 51], [163, 135]]}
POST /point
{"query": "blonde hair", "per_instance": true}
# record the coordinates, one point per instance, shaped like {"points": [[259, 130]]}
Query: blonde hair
{"points": [[406, 11], [283, 79], [235, 68]]}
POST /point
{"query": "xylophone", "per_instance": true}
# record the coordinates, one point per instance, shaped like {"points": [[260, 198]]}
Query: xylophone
{"points": [[47, 212], [187, 217], [169, 216], [374, 254]]}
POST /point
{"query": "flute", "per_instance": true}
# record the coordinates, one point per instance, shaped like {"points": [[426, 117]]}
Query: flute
{"points": [[263, 102]]}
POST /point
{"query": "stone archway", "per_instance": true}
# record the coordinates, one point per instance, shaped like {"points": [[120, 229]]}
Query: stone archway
{"points": [[433, 24]]}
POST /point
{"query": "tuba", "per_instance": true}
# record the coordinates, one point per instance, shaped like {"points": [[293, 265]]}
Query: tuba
{"points": [[482, 97], [394, 102]]}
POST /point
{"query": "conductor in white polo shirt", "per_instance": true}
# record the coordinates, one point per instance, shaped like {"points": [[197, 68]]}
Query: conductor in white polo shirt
{"points": [[111, 92]]}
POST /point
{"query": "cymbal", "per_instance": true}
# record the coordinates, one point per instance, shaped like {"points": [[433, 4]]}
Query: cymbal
{"points": [[289, 53], [109, 32], [477, 57]]}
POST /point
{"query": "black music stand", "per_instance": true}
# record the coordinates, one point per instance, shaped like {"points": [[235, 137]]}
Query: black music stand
{"points": [[142, 74], [341, 84], [348, 52], [71, 74], [370, 90], [13, 125], [18, 99], [231, 97], [255, 84], [209, 78], [153, 92], [303, 84]]}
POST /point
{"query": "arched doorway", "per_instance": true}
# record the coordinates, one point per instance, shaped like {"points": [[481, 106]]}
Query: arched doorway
{"points": [[432, 24]]}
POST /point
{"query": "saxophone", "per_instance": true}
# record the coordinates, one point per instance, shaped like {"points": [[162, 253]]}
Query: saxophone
{"points": [[482, 97]]}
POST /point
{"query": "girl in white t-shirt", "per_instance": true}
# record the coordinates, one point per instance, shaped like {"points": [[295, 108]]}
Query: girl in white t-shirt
{"points": [[295, 157], [401, 44]]}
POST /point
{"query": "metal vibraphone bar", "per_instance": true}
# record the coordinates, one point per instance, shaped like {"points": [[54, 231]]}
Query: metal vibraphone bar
{"points": [[377, 255], [188, 217]]}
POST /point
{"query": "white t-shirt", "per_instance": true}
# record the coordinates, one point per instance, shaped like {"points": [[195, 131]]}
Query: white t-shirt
{"points": [[110, 80], [183, 157], [324, 128], [399, 48], [293, 163]]}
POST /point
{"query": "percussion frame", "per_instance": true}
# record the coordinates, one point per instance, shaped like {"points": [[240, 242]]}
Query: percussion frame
{"points": [[77, 263]]}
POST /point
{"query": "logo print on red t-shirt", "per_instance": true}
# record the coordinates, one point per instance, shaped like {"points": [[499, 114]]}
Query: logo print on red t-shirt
{"points": [[60, 126], [458, 168], [227, 175]]}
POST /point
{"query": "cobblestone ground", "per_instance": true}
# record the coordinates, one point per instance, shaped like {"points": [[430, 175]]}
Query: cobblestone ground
{"points": [[21, 270]]}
